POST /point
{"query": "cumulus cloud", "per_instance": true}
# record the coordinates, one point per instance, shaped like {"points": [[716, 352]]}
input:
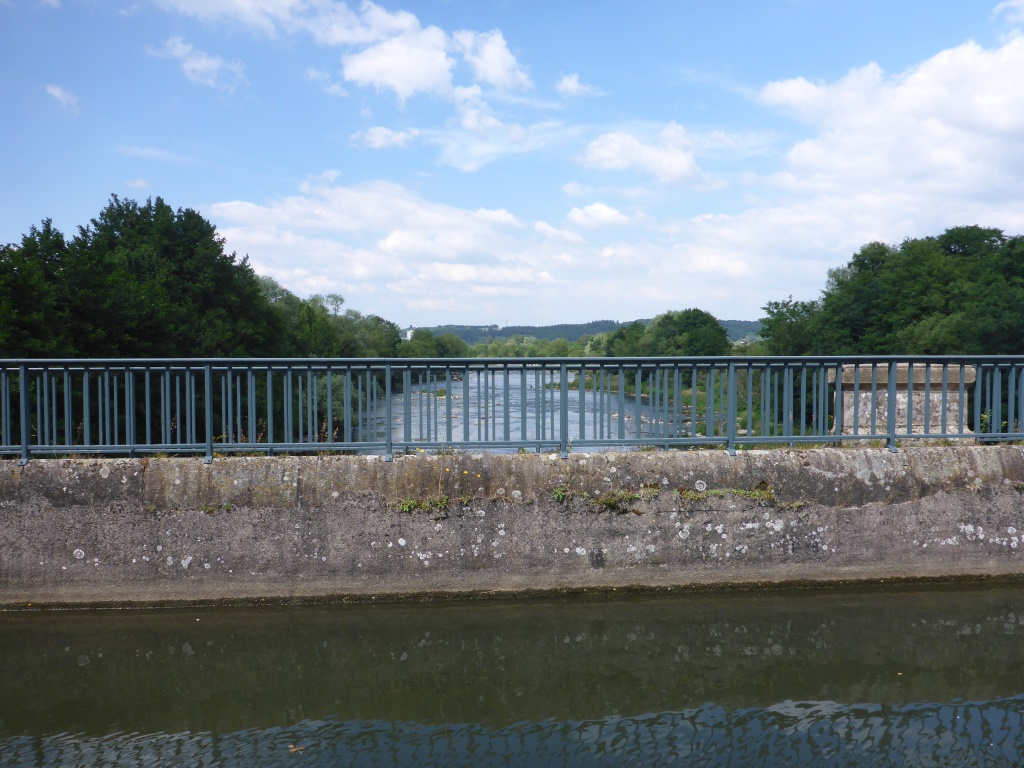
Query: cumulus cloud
{"points": [[951, 126], [380, 137], [201, 67], [570, 85], [65, 98], [669, 159], [384, 243], [409, 63], [492, 61], [553, 233], [597, 215]]}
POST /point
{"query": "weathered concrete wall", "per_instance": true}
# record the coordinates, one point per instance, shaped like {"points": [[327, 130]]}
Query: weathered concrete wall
{"points": [[174, 529]]}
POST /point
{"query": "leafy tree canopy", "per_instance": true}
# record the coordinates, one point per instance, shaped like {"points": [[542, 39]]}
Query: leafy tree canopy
{"points": [[150, 281], [959, 293]]}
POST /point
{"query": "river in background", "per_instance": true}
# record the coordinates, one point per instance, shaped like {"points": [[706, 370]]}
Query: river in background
{"points": [[495, 406], [869, 678]]}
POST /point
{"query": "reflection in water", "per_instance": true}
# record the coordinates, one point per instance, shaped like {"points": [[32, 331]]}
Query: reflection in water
{"points": [[838, 679], [788, 734]]}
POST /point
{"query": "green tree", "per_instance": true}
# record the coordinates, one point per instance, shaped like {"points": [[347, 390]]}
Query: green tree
{"points": [[691, 332]]}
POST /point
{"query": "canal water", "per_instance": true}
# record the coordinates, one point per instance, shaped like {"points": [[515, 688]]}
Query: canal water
{"points": [[865, 678]]}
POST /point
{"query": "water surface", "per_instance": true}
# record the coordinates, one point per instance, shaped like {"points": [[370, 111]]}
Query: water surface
{"points": [[921, 677]]}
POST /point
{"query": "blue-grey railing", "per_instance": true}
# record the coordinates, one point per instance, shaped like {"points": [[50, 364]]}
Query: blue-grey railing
{"points": [[207, 406]]}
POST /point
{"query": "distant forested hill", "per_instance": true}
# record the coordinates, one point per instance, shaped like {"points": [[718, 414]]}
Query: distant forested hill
{"points": [[473, 334], [742, 330]]}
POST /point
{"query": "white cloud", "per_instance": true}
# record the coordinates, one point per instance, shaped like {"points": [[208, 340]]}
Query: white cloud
{"points": [[379, 137], [492, 62], [65, 98], [597, 215], [324, 78], [670, 159], [575, 189], [152, 153], [1011, 10], [329, 22], [951, 127], [553, 233], [201, 67], [410, 63], [570, 85], [479, 138], [137, 184], [384, 244]]}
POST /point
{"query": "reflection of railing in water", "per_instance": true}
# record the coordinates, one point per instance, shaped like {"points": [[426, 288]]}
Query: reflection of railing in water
{"points": [[127, 407], [789, 733]]}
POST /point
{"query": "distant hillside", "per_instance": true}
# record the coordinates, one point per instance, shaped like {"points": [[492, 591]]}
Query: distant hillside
{"points": [[738, 330], [742, 330]]}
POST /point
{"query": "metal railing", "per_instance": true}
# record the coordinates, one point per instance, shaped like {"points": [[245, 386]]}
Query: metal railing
{"points": [[388, 406]]}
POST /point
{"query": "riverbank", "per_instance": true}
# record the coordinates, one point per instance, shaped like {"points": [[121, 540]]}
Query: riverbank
{"points": [[242, 529]]}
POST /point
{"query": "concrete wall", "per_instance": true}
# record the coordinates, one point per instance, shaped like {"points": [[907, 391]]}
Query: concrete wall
{"points": [[173, 529]]}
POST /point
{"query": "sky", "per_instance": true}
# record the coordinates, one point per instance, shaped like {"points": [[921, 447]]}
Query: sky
{"points": [[516, 161]]}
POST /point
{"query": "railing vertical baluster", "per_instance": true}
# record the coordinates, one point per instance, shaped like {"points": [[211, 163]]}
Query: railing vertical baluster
{"points": [[874, 398], [208, 403], [177, 406], [891, 406], [731, 414], [563, 404], [131, 436], [856, 398], [86, 409], [927, 398], [5, 409], [523, 404], [331, 432], [24, 415], [389, 453], [270, 409], [945, 399], [997, 399], [110, 437], [506, 410], [251, 401], [347, 406], [581, 388], [299, 420], [637, 408], [312, 407], [406, 406], [449, 396]]}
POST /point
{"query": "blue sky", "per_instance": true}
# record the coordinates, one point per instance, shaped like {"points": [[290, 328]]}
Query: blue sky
{"points": [[514, 162]]}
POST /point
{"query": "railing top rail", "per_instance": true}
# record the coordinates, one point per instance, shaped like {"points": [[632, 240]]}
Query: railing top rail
{"points": [[265, 362]]}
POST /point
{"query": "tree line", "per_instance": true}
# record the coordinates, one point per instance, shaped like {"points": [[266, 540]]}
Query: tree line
{"points": [[146, 280], [959, 293]]}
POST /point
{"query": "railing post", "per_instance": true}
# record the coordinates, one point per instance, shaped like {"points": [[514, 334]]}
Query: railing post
{"points": [[389, 453], [563, 416], [731, 415], [891, 406], [208, 394], [25, 421]]}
